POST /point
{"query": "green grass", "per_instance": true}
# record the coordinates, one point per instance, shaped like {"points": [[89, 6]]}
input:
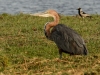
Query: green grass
{"points": [[24, 49]]}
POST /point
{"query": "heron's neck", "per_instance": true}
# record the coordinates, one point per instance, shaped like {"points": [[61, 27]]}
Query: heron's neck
{"points": [[56, 20], [52, 24]]}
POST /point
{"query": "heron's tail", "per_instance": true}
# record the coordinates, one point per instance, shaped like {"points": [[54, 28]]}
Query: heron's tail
{"points": [[85, 50]]}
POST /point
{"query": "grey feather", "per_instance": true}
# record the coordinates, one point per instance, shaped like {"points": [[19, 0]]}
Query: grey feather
{"points": [[65, 38]]}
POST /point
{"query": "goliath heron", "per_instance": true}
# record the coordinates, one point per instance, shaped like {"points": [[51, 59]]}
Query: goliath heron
{"points": [[82, 14], [66, 39]]}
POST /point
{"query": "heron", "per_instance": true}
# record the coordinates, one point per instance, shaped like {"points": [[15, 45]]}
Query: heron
{"points": [[67, 40], [82, 13]]}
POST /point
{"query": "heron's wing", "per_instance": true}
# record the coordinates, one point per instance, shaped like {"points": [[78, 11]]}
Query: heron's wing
{"points": [[74, 36], [58, 37], [64, 35], [77, 38]]}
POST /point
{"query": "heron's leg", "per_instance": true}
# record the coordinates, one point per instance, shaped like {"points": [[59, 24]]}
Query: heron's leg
{"points": [[60, 53]]}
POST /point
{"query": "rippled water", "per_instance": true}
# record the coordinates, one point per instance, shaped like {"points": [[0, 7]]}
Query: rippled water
{"points": [[67, 7]]}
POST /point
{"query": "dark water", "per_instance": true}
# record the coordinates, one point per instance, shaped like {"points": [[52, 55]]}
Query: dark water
{"points": [[67, 7]]}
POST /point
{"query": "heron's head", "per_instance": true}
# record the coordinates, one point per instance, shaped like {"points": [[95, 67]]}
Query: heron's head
{"points": [[49, 13]]}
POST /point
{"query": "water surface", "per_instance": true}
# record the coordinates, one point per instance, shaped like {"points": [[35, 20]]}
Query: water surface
{"points": [[67, 7]]}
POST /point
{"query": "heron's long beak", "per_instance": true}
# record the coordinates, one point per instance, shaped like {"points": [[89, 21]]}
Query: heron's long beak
{"points": [[45, 14]]}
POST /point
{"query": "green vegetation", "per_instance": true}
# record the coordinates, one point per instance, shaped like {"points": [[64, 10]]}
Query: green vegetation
{"points": [[24, 49]]}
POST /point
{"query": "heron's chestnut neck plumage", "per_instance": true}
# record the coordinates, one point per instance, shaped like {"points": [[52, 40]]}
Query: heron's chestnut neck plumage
{"points": [[49, 25]]}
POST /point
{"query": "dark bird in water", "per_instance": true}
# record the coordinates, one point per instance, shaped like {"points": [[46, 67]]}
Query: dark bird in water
{"points": [[82, 14], [66, 39]]}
